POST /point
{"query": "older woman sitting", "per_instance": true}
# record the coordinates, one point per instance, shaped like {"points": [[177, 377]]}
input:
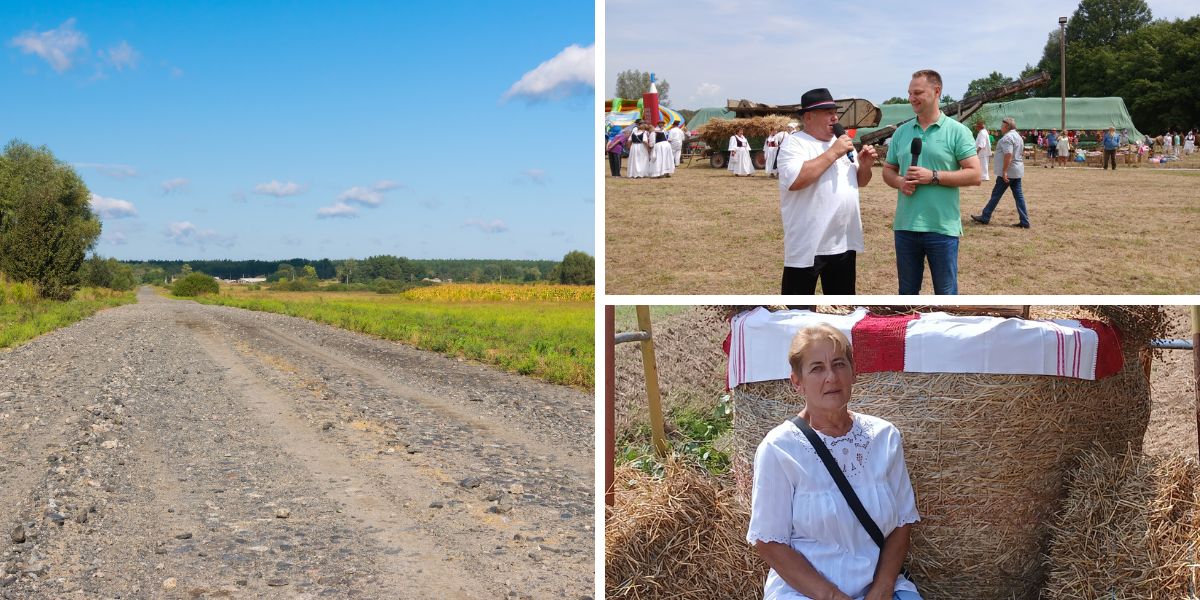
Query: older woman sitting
{"points": [[800, 522]]}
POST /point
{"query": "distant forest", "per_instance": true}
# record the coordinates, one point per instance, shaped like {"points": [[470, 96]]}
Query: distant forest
{"points": [[369, 269]]}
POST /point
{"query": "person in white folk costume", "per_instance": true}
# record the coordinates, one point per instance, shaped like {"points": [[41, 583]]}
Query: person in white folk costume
{"points": [[772, 151], [781, 138], [676, 137], [639, 151], [739, 155], [801, 524], [662, 158], [983, 146]]}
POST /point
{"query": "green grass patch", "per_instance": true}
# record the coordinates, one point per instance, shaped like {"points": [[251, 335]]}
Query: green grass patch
{"points": [[552, 341], [699, 437], [23, 321], [625, 317]]}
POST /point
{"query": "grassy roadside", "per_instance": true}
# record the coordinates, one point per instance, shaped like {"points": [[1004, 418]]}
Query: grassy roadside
{"points": [[23, 318], [550, 340]]}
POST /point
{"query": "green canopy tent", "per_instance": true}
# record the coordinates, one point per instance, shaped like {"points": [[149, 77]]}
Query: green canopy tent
{"points": [[704, 115], [1034, 113]]}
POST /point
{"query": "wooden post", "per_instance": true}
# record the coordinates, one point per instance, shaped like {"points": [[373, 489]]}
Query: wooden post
{"points": [[651, 370], [1196, 365], [610, 379]]}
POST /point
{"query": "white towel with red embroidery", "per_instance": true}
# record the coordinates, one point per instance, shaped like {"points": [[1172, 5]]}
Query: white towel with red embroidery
{"points": [[933, 343]]}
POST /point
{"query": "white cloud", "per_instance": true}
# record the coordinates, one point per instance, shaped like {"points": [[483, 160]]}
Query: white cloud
{"points": [[180, 184], [111, 208], [280, 190], [176, 72], [55, 46], [122, 54], [369, 196], [340, 209], [238, 196], [572, 72], [708, 89], [114, 171], [537, 176], [496, 226], [186, 234]]}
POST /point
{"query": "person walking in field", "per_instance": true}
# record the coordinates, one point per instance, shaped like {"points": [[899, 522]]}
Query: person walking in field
{"points": [[615, 146], [639, 152], [1052, 147], [928, 221], [676, 137], [1166, 143], [1111, 142], [983, 147], [1177, 144], [739, 154], [1064, 149], [1010, 168], [1189, 142]]}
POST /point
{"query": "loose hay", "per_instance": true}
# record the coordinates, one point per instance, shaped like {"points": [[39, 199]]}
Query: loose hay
{"points": [[989, 457], [1128, 529], [718, 130], [681, 538]]}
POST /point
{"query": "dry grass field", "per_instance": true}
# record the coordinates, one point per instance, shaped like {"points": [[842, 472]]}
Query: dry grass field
{"points": [[703, 231]]}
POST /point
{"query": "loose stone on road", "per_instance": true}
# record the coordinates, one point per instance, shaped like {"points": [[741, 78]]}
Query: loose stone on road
{"points": [[168, 449]]}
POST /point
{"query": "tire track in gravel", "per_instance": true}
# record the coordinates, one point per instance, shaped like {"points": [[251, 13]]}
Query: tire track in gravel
{"points": [[147, 449]]}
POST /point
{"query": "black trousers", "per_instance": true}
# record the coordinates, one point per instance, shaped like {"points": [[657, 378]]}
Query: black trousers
{"points": [[614, 163], [1110, 156], [836, 272]]}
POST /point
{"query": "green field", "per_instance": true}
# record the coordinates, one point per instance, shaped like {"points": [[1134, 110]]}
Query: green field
{"points": [[23, 318], [549, 340]]}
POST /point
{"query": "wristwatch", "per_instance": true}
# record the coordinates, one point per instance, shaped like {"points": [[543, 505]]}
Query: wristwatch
{"points": [[935, 179]]}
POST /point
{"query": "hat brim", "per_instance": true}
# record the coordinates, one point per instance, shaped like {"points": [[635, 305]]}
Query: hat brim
{"points": [[819, 106]]}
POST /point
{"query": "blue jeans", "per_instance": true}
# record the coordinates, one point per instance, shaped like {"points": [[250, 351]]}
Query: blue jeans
{"points": [[998, 192], [905, 595], [913, 247]]}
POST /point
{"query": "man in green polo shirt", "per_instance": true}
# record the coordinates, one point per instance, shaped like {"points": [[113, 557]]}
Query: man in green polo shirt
{"points": [[928, 222]]}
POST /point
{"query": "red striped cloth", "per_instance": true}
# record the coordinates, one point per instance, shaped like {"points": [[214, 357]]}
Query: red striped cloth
{"points": [[1109, 358], [879, 342]]}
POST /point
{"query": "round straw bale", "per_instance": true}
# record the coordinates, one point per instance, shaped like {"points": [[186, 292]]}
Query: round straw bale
{"points": [[682, 537], [988, 455], [1128, 529], [718, 130]]}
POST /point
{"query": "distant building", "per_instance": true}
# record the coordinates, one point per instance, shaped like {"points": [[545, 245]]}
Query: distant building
{"points": [[252, 280], [435, 280]]}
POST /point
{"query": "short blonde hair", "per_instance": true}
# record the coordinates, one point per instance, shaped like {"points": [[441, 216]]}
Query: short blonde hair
{"points": [[810, 334], [931, 76]]}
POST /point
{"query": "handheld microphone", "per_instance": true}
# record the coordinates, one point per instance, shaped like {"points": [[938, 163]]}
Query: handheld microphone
{"points": [[916, 150], [839, 131]]}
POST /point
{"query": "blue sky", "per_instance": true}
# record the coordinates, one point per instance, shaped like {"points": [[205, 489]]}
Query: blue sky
{"points": [[274, 130], [773, 50]]}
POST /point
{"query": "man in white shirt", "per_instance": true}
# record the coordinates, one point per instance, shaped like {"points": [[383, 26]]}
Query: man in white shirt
{"points": [[983, 147], [818, 197]]}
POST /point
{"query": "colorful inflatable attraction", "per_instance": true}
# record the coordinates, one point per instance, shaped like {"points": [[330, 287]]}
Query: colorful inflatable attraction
{"points": [[622, 113]]}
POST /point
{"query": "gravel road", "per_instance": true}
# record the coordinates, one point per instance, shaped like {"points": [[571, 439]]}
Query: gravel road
{"points": [[168, 449]]}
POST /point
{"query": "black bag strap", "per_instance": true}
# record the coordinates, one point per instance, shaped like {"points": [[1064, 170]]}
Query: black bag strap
{"points": [[844, 485]]}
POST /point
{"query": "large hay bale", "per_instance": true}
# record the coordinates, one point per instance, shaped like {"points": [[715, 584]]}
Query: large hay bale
{"points": [[989, 457], [682, 537], [1129, 529], [719, 130]]}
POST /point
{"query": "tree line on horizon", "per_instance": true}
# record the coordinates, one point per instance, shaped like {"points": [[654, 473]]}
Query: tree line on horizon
{"points": [[48, 227]]}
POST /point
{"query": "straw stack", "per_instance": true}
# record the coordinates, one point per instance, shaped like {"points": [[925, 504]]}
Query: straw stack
{"points": [[989, 457], [1128, 530], [717, 130], [681, 538]]}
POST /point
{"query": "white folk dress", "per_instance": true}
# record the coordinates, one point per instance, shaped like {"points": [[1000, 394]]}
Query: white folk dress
{"points": [[1189, 143], [676, 137], [662, 158], [639, 157], [796, 502], [773, 143], [984, 146], [739, 156]]}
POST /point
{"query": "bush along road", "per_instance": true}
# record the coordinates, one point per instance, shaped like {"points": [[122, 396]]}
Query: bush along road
{"points": [[167, 449]]}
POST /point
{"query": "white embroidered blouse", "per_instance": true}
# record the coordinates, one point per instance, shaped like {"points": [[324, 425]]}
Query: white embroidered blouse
{"points": [[796, 502]]}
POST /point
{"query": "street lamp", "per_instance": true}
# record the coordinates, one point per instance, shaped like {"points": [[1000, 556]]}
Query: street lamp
{"points": [[1062, 61]]}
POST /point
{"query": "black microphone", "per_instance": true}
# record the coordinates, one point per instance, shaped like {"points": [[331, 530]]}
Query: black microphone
{"points": [[916, 150], [839, 131]]}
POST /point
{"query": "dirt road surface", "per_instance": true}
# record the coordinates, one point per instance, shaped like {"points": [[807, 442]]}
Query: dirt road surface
{"points": [[172, 450]]}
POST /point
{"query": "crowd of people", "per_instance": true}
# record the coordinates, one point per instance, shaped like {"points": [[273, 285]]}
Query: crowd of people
{"points": [[653, 151]]}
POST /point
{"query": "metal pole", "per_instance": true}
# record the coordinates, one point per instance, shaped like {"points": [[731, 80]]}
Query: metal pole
{"points": [[651, 369], [1196, 365], [1062, 59], [610, 379]]}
